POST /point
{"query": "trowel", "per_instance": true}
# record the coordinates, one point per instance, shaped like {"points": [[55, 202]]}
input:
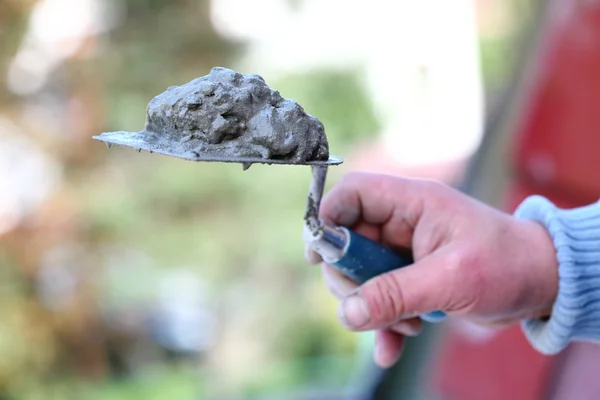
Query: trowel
{"points": [[354, 255]]}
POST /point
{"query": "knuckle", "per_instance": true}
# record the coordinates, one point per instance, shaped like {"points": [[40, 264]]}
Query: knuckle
{"points": [[469, 265], [434, 193], [385, 298], [352, 176], [466, 277], [462, 259], [455, 260], [432, 186], [362, 179]]}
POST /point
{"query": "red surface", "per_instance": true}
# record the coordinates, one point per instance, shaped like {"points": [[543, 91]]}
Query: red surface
{"points": [[556, 154], [559, 139], [505, 368]]}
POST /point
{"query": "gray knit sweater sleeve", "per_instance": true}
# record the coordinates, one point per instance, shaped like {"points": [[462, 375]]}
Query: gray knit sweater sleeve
{"points": [[576, 312]]}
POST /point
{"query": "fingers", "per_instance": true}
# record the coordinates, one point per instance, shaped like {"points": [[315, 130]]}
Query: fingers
{"points": [[388, 347], [433, 283], [389, 343], [408, 327], [371, 231], [341, 287], [337, 283], [393, 203], [312, 256]]}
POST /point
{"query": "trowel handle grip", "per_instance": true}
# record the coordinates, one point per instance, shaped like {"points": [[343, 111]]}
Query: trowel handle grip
{"points": [[363, 259]]}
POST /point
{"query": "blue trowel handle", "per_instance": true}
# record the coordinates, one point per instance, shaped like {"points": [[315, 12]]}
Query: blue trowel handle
{"points": [[361, 259]]}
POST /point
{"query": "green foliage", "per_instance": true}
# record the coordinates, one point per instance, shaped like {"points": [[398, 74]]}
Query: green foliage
{"points": [[501, 55], [497, 61], [171, 384]]}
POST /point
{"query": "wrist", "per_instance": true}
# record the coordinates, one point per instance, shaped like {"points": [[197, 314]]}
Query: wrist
{"points": [[544, 263]]}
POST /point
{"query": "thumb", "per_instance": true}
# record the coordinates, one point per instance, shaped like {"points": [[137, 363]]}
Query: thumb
{"points": [[433, 283]]}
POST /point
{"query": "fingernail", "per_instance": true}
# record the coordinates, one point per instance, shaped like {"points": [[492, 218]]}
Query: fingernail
{"points": [[405, 328], [378, 351], [310, 256], [354, 312]]}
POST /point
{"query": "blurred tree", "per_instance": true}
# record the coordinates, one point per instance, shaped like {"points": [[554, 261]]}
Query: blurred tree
{"points": [[104, 84], [160, 44], [13, 20]]}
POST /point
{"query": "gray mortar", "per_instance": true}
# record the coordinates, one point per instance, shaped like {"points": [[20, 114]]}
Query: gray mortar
{"points": [[231, 115]]}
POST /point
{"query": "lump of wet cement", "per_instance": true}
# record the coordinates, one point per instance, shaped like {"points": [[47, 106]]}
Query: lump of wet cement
{"points": [[234, 115]]}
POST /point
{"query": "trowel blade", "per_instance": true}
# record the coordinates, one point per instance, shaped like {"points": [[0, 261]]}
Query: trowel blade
{"points": [[139, 141]]}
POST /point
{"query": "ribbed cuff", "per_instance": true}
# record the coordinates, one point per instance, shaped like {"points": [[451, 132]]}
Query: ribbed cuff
{"points": [[576, 312]]}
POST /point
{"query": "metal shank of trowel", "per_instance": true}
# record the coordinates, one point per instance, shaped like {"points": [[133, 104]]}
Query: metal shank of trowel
{"points": [[312, 224]]}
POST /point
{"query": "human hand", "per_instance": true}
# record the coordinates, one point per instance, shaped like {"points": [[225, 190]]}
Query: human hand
{"points": [[471, 260]]}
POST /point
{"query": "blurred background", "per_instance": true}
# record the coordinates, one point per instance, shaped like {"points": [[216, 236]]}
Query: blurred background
{"points": [[127, 276]]}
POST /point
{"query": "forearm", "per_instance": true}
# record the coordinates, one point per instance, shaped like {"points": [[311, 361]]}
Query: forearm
{"points": [[576, 311]]}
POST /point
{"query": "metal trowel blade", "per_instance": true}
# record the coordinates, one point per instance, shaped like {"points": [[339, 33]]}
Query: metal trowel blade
{"points": [[153, 144]]}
